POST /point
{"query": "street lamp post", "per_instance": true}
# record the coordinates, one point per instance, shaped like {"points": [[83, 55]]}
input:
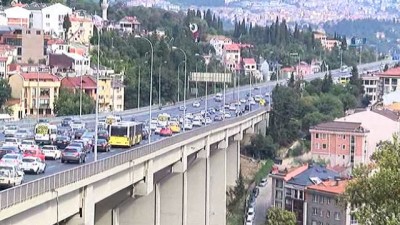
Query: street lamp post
{"points": [[184, 87], [97, 96], [80, 95], [151, 79], [179, 66], [138, 86], [159, 84]]}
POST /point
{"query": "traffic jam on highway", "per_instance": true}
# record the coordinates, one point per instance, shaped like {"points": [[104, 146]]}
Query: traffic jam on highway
{"points": [[26, 154]]}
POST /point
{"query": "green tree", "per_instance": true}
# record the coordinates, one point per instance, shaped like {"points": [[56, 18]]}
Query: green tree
{"points": [[327, 83], [262, 147], [66, 25], [5, 91], [236, 194], [279, 216], [68, 103], [374, 189]]}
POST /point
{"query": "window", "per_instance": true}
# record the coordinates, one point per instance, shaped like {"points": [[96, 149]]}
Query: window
{"points": [[19, 51], [328, 201], [278, 194], [45, 92], [47, 24], [317, 135], [279, 183], [47, 16], [344, 137], [314, 222], [315, 198], [324, 136], [317, 146], [28, 32], [31, 15], [328, 213], [337, 216], [315, 211], [321, 200], [321, 214], [344, 147], [288, 192], [38, 32], [323, 146]]}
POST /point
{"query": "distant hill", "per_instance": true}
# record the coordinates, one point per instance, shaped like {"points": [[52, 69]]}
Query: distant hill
{"points": [[199, 2]]}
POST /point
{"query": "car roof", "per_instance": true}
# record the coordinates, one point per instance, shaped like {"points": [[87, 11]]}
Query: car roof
{"points": [[12, 154], [30, 157]]}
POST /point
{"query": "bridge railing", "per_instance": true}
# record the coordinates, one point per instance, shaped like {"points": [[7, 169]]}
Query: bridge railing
{"points": [[47, 184]]}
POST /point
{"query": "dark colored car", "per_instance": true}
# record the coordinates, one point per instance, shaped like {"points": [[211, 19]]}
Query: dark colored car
{"points": [[65, 122], [102, 145], [218, 117], [78, 134], [8, 150], [103, 134], [62, 141], [256, 191], [80, 144], [73, 154], [145, 133]]}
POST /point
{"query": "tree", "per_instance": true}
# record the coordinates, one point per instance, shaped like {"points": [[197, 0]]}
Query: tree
{"points": [[262, 147], [327, 83], [68, 103], [374, 189], [5, 91], [236, 194], [291, 80], [66, 25], [279, 216]]}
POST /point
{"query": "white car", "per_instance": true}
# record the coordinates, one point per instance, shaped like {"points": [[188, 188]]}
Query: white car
{"points": [[51, 151], [182, 108], [197, 122], [10, 130], [227, 115], [189, 116], [15, 142], [77, 125], [158, 129], [250, 214], [263, 182], [153, 124], [23, 134], [208, 120], [232, 107], [27, 144], [10, 175], [257, 98], [33, 165], [196, 104], [188, 125], [226, 106], [249, 222], [243, 100], [12, 159]]}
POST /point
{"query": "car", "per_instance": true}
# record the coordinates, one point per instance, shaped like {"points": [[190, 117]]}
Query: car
{"points": [[196, 104], [242, 100], [218, 97], [175, 128], [232, 107], [263, 182], [79, 133], [103, 134], [9, 131], [23, 134], [81, 143], [158, 129], [145, 133], [218, 117], [211, 111], [197, 122], [189, 116], [257, 98], [66, 122], [188, 125], [62, 141], [51, 151], [77, 125], [33, 165], [267, 94], [226, 106], [67, 131], [35, 152], [252, 102], [256, 192], [165, 131], [153, 124], [182, 108], [89, 137], [227, 115], [26, 144], [207, 120], [250, 213], [103, 145], [73, 154], [238, 103], [43, 120], [249, 222], [8, 150], [12, 159], [10, 175], [10, 141]]}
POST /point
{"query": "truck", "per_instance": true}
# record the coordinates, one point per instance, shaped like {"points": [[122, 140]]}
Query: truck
{"points": [[45, 133], [10, 175]]}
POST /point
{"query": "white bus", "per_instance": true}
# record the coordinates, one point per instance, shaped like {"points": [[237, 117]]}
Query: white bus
{"points": [[45, 133]]}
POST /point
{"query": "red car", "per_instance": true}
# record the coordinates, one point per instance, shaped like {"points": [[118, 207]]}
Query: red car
{"points": [[34, 153], [165, 131]]}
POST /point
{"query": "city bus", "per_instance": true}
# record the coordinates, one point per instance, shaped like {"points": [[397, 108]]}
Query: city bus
{"points": [[111, 119], [45, 133], [125, 134]]}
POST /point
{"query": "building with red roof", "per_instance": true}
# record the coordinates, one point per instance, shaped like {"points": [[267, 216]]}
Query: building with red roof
{"points": [[231, 56], [129, 24], [88, 84], [37, 92], [81, 29], [389, 80], [323, 204]]}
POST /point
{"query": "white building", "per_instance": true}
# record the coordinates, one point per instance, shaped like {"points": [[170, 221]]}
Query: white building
{"points": [[17, 16], [371, 83], [218, 43], [3, 19], [231, 56], [50, 18]]}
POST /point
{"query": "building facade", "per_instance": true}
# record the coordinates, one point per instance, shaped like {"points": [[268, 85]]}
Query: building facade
{"points": [[81, 28], [371, 87], [85, 83], [339, 143], [52, 18], [231, 56], [37, 92], [111, 93], [218, 43], [18, 16], [389, 81], [129, 24], [70, 62]]}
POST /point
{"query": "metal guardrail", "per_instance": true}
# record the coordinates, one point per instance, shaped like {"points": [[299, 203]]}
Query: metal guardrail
{"points": [[43, 185]]}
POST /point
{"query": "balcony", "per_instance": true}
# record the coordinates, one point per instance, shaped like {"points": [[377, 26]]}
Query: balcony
{"points": [[44, 106]]}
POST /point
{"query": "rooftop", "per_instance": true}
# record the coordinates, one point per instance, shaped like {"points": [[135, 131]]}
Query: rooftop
{"points": [[41, 75], [313, 174], [331, 186], [232, 47], [249, 61], [218, 37], [75, 82], [392, 72], [130, 19], [74, 56], [340, 126]]}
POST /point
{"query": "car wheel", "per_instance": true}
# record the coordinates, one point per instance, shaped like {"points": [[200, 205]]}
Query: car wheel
{"points": [[80, 161], [84, 159], [62, 161], [37, 171]]}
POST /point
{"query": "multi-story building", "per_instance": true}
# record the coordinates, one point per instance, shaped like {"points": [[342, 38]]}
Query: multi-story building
{"points": [[7, 55], [389, 80], [288, 188], [218, 42], [111, 93], [326, 42], [36, 90], [249, 65], [70, 62], [231, 56], [31, 44], [129, 24], [85, 83], [324, 206], [48, 18], [371, 84], [18, 16], [81, 28], [339, 143]]}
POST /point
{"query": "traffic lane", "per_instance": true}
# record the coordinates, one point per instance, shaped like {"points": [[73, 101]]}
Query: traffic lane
{"points": [[263, 203]]}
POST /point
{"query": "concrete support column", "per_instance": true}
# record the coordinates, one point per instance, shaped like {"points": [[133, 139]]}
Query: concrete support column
{"points": [[88, 205], [172, 200], [232, 163], [218, 188]]}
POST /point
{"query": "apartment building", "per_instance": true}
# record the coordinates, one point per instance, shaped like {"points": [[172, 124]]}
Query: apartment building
{"points": [[389, 80], [36, 91], [81, 28], [129, 24], [324, 206], [7, 55], [85, 83], [48, 18], [31, 44], [326, 42], [231, 56], [70, 62], [339, 143], [249, 65], [288, 188], [371, 87], [18, 16], [111, 93], [218, 42]]}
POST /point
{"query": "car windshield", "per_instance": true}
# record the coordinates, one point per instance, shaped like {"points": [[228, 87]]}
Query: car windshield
{"points": [[27, 142], [22, 131], [10, 140], [28, 160], [101, 141], [32, 152], [61, 138], [77, 122], [10, 157], [47, 148], [70, 150]]}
